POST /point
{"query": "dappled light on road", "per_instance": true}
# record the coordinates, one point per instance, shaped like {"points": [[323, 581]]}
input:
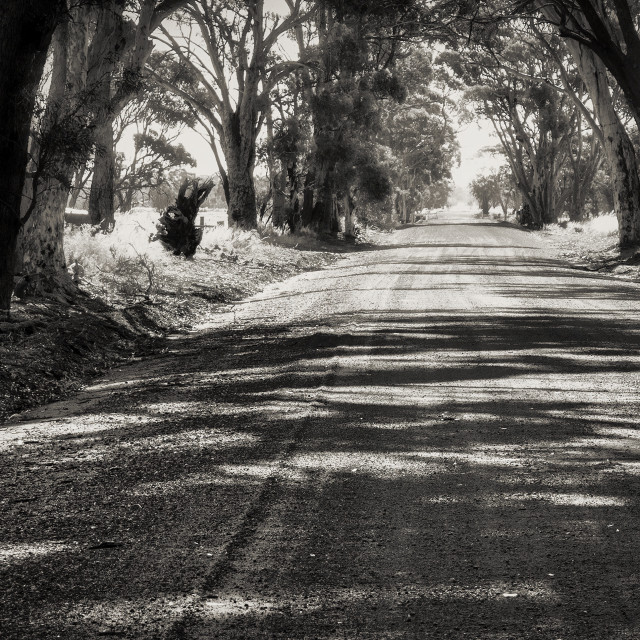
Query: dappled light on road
{"points": [[434, 439]]}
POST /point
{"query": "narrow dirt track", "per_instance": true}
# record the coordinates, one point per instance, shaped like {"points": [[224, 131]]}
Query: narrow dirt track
{"points": [[435, 439]]}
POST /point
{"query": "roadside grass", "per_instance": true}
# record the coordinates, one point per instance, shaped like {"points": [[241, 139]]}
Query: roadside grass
{"points": [[593, 245], [131, 293]]}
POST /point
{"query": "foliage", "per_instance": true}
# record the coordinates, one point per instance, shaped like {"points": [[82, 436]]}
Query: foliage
{"points": [[513, 82], [418, 133], [61, 137], [176, 227], [224, 68], [495, 189], [157, 120]]}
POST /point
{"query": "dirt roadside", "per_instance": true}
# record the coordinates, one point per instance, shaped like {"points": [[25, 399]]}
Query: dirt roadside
{"points": [[439, 441], [52, 347]]}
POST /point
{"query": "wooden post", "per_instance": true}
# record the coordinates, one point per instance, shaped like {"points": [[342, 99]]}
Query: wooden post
{"points": [[202, 222]]}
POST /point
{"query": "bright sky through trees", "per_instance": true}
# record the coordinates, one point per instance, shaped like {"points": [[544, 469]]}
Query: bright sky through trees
{"points": [[474, 138]]}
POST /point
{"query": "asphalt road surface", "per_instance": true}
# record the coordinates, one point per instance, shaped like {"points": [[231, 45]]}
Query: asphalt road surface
{"points": [[437, 438]]}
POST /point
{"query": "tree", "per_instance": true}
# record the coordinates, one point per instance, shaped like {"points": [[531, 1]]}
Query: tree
{"points": [[607, 29], [119, 51], [602, 36], [224, 69], [351, 70], [437, 194], [61, 140], [509, 83], [612, 133], [176, 227], [485, 189], [93, 42], [158, 120], [26, 29], [286, 153], [419, 134]]}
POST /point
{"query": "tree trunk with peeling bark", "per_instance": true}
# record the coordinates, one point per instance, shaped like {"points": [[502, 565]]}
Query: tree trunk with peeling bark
{"points": [[26, 28], [90, 66], [101, 195], [239, 132], [239, 155], [618, 147], [43, 267], [349, 220], [307, 199]]}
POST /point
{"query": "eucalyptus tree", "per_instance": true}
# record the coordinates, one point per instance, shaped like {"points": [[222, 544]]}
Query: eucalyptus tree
{"points": [[587, 32], [287, 150], [61, 140], [512, 82], [606, 31], [225, 51], [496, 188], [98, 55], [353, 52], [26, 29], [585, 153], [603, 38], [156, 121], [419, 132], [613, 134]]}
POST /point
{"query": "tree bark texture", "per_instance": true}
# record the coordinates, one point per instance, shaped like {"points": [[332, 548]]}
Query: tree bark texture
{"points": [[26, 28], [322, 215], [42, 238], [101, 196], [279, 186], [105, 47], [307, 199], [239, 147], [618, 147], [349, 220]]}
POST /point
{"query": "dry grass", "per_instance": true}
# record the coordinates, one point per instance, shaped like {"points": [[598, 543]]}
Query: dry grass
{"points": [[131, 292], [593, 245]]}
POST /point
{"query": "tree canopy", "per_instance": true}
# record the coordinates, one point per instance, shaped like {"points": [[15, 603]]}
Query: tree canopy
{"points": [[349, 109]]}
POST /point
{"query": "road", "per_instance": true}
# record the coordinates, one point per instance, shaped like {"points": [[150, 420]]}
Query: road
{"points": [[436, 438]]}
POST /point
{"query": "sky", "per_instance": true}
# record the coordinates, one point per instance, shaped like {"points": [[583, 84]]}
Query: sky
{"points": [[473, 138]]}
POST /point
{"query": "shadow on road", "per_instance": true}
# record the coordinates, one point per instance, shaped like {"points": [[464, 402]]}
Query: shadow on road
{"points": [[389, 472]]}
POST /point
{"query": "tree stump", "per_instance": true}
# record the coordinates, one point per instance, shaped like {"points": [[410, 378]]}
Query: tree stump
{"points": [[176, 228]]}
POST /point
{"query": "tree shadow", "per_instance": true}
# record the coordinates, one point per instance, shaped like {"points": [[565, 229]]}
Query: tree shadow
{"points": [[372, 474], [431, 489]]}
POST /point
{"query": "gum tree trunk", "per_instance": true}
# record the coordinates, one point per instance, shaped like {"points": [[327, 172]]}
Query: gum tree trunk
{"points": [[26, 28], [323, 215], [239, 146], [101, 196], [618, 147], [349, 221], [42, 238], [307, 199]]}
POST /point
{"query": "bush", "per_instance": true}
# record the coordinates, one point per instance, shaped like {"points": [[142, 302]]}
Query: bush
{"points": [[123, 261]]}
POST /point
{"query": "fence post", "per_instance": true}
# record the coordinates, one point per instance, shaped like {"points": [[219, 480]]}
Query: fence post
{"points": [[202, 222]]}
